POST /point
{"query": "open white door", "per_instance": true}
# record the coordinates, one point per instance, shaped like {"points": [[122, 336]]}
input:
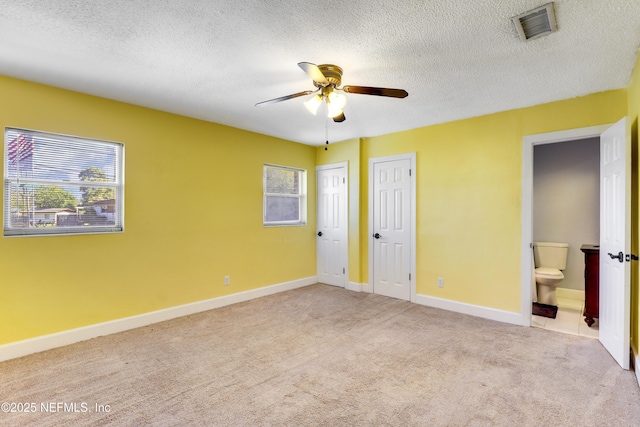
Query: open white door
{"points": [[331, 218], [615, 232]]}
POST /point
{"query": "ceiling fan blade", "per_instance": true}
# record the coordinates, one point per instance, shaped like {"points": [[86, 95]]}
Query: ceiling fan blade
{"points": [[313, 71], [339, 119], [284, 98], [379, 91]]}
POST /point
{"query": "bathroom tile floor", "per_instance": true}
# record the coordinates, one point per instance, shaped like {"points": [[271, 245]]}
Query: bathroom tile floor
{"points": [[569, 319]]}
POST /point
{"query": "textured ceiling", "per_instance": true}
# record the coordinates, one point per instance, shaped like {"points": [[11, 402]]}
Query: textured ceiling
{"points": [[214, 60]]}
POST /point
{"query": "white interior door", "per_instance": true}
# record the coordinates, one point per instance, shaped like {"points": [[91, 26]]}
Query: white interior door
{"points": [[392, 228], [615, 232], [331, 218]]}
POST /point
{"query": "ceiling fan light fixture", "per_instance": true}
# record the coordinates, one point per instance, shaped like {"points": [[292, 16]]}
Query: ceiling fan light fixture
{"points": [[313, 104], [333, 113], [337, 99], [335, 104], [327, 78]]}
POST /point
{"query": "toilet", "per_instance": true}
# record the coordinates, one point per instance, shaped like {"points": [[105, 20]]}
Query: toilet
{"points": [[550, 259]]}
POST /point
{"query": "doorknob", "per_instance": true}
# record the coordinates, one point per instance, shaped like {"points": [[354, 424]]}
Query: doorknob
{"points": [[619, 257], [320, 233], [377, 235]]}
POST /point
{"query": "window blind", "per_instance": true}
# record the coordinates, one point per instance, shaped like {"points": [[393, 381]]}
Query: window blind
{"points": [[58, 184]]}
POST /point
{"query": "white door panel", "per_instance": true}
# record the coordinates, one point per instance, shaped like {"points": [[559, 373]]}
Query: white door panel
{"points": [[332, 233], [615, 229], [391, 228]]}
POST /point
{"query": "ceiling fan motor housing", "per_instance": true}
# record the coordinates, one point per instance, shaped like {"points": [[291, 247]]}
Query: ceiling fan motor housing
{"points": [[333, 74]]}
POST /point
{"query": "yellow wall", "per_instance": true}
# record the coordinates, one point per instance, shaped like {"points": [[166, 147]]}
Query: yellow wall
{"points": [[193, 214], [469, 191], [348, 151], [633, 97]]}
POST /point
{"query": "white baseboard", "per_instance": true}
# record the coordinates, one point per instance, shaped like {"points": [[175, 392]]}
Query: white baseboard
{"points": [[473, 310], [353, 286], [60, 339], [366, 287], [570, 293], [636, 363]]}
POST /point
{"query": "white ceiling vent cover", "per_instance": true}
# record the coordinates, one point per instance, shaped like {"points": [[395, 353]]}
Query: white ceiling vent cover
{"points": [[536, 23]]}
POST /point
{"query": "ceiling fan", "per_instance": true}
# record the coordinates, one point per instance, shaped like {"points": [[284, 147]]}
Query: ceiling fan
{"points": [[327, 79]]}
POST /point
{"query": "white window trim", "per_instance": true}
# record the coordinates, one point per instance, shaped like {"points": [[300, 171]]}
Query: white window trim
{"points": [[302, 197]]}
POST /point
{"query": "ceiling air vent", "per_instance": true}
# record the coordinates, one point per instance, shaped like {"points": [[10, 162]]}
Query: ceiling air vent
{"points": [[536, 23]]}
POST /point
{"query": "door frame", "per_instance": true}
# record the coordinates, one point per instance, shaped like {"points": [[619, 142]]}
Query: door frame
{"points": [[345, 255], [412, 211], [528, 142]]}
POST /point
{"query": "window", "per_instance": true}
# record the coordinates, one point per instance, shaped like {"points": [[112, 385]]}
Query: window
{"points": [[57, 184], [284, 196]]}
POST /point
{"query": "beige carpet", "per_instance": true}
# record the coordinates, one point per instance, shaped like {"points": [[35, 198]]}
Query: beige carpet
{"points": [[323, 356]]}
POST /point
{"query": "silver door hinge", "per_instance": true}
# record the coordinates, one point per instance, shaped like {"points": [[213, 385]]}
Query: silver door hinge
{"points": [[409, 172], [344, 270], [409, 276], [344, 180]]}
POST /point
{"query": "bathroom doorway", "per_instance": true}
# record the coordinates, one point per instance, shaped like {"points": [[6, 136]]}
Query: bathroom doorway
{"points": [[566, 209], [615, 211]]}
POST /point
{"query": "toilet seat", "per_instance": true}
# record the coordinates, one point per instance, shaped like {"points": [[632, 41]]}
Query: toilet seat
{"points": [[548, 273]]}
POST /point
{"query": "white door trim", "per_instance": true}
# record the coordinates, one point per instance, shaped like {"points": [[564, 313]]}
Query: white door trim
{"points": [[345, 255], [527, 202], [412, 257]]}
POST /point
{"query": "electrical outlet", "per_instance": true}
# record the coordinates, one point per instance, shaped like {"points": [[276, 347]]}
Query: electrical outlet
{"points": [[440, 282], [227, 280]]}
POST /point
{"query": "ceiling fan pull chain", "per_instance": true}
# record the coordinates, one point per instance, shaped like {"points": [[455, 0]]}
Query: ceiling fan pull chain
{"points": [[326, 133]]}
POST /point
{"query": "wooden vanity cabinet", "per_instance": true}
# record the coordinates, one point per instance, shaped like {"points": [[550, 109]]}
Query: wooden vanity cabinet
{"points": [[591, 282]]}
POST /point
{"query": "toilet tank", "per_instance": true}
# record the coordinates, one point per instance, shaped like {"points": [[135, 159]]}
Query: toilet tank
{"points": [[550, 255]]}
